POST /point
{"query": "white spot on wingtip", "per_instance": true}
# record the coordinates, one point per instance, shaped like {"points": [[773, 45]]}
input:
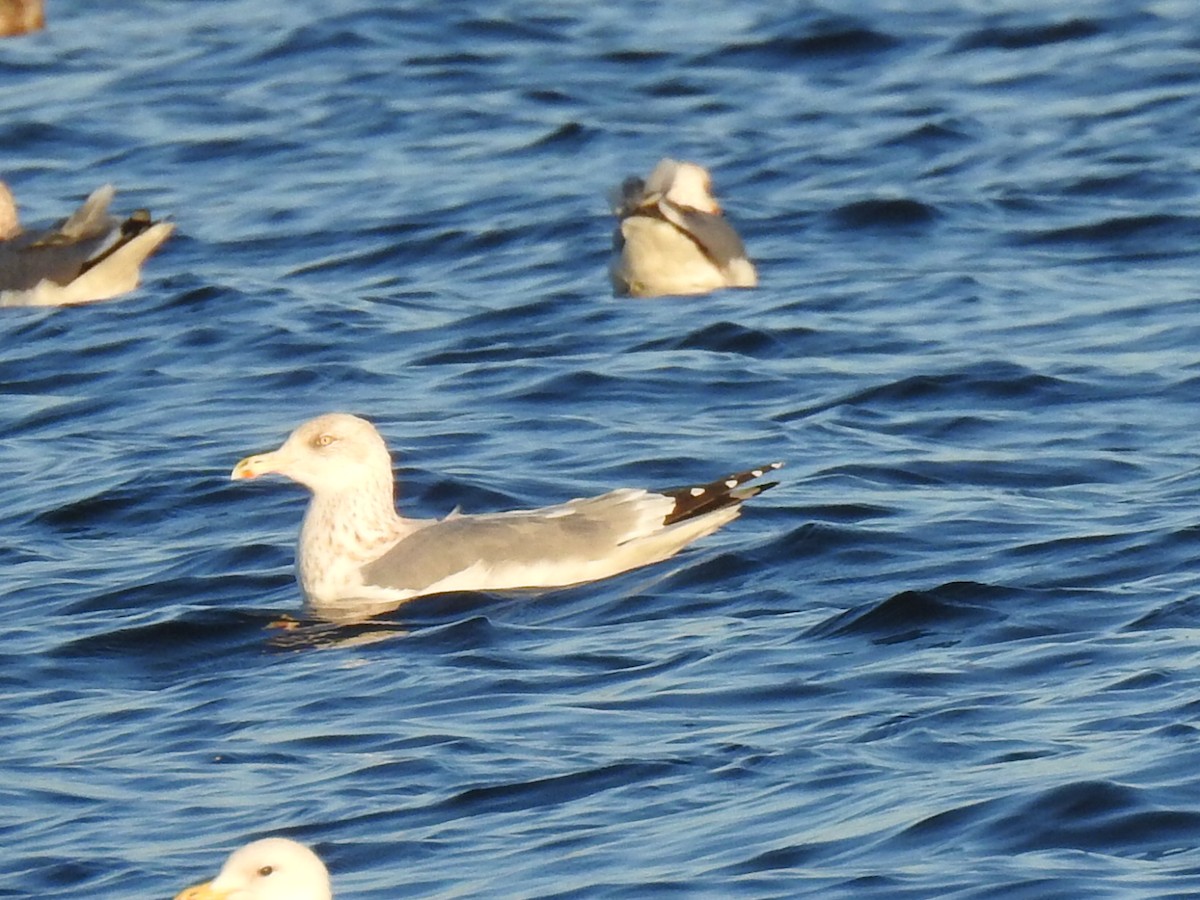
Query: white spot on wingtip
{"points": [[757, 473], [731, 483], [696, 492]]}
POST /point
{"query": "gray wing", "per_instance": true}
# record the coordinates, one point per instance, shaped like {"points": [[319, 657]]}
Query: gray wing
{"points": [[23, 267], [580, 530], [92, 218], [61, 253], [711, 232]]}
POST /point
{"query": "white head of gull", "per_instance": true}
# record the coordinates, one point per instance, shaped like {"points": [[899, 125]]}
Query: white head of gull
{"points": [[671, 238], [684, 184], [357, 557], [89, 256], [270, 869]]}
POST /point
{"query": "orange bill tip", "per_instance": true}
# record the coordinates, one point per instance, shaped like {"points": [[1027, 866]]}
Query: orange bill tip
{"points": [[243, 470]]}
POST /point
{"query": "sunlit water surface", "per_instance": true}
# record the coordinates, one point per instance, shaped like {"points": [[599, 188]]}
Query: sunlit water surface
{"points": [[953, 654]]}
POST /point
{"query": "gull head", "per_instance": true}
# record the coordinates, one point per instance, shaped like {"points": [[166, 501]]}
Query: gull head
{"points": [[684, 183], [270, 869], [333, 453]]}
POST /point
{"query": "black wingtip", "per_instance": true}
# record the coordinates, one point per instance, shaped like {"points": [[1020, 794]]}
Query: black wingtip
{"points": [[696, 500], [138, 223]]}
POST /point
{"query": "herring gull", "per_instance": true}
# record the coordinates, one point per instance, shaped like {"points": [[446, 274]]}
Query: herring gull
{"points": [[671, 238], [357, 557], [90, 256], [270, 869]]}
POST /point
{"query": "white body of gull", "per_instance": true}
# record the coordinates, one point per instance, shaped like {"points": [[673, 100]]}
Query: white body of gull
{"points": [[357, 557], [672, 239], [270, 869], [90, 256]]}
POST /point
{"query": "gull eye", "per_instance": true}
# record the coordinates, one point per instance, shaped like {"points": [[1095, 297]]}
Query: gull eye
{"points": [[266, 870], [323, 440]]}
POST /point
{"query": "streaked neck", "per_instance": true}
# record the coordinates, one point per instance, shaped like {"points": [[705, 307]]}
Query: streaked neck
{"points": [[352, 521]]}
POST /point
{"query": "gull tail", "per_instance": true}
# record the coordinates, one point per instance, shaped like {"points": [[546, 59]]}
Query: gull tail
{"points": [[137, 224], [698, 500], [118, 269]]}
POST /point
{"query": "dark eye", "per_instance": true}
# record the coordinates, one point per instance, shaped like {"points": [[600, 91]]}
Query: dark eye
{"points": [[265, 871]]}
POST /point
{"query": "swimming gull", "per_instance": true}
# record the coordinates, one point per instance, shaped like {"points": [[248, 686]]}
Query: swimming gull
{"points": [[270, 869], [671, 237], [90, 256], [357, 557]]}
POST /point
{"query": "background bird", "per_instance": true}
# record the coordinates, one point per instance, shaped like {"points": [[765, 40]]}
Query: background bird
{"points": [[671, 237], [270, 869], [90, 256]]}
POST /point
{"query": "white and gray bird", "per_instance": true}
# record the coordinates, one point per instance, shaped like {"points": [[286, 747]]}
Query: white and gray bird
{"points": [[90, 256], [671, 238], [357, 557], [270, 869]]}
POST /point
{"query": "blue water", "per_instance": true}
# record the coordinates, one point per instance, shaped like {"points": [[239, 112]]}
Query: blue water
{"points": [[953, 654]]}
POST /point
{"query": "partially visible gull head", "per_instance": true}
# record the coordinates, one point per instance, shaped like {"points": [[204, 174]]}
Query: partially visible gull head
{"points": [[270, 869], [687, 184], [333, 453], [10, 222], [21, 17]]}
